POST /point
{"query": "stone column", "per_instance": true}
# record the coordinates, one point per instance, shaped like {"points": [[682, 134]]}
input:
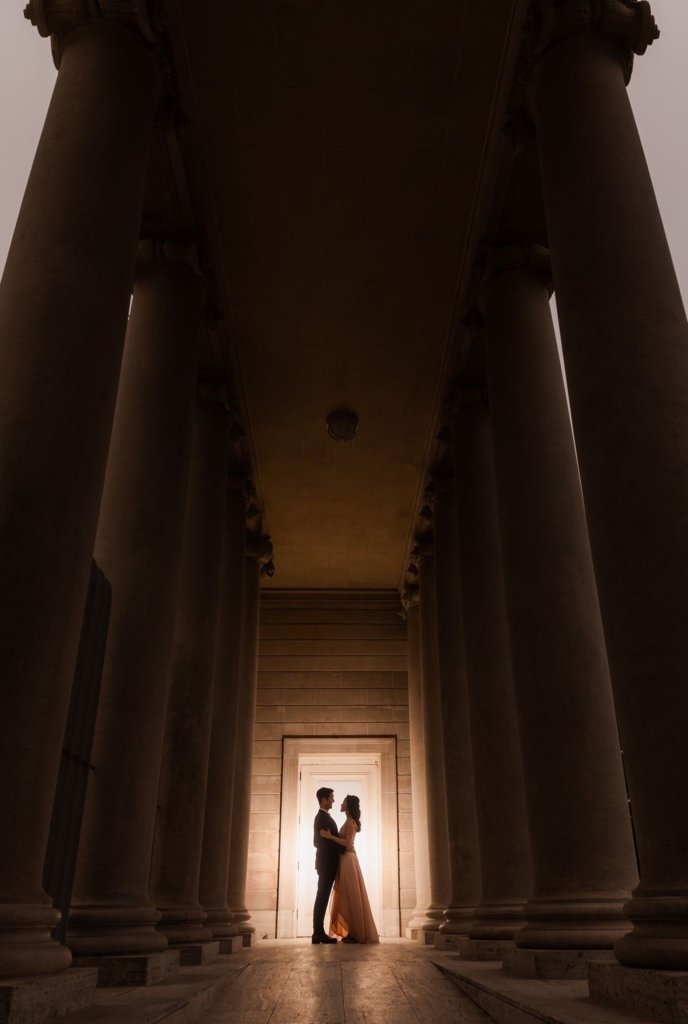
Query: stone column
{"points": [[420, 920], [217, 825], [625, 341], [505, 869], [583, 857], [258, 552], [63, 307], [433, 747], [177, 845], [138, 546], [464, 853]]}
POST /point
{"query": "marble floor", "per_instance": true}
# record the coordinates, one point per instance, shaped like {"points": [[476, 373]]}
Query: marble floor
{"points": [[290, 981]]}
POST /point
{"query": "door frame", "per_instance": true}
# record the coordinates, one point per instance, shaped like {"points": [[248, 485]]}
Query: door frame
{"points": [[384, 747]]}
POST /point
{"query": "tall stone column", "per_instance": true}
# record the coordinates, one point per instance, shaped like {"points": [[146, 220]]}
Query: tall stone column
{"points": [[217, 825], [178, 841], [138, 546], [258, 552], [462, 824], [583, 857], [420, 920], [433, 746], [63, 306], [505, 865], [625, 341]]}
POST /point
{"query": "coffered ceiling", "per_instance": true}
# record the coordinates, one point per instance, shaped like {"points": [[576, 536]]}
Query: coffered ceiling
{"points": [[342, 146]]}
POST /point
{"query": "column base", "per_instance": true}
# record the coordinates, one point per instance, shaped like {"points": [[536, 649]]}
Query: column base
{"points": [[662, 995], [130, 971], [183, 925], [553, 964], [220, 923], [230, 944], [248, 939], [194, 954], [112, 931], [27, 949], [426, 936], [457, 920], [659, 939], [447, 940], [47, 997], [485, 949], [497, 921]]}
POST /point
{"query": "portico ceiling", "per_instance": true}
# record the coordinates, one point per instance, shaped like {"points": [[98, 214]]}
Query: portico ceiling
{"points": [[342, 145]]}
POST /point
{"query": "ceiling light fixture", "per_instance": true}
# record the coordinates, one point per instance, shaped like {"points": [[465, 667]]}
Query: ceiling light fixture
{"points": [[342, 424]]}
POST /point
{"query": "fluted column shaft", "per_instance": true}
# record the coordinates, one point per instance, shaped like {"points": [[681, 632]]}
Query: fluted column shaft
{"points": [[433, 745], [421, 857], [219, 805], [583, 857], [248, 681], [625, 341], [177, 846], [138, 546], [63, 306], [505, 867], [462, 825]]}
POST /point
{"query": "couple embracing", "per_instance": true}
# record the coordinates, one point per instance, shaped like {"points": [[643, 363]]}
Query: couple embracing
{"points": [[336, 862]]}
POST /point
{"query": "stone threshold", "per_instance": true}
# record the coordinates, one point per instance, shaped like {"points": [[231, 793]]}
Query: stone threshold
{"points": [[184, 998], [508, 999]]}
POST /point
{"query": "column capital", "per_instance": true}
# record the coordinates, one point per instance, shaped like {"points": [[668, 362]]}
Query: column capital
{"points": [[211, 390], [175, 251], [259, 547], [499, 257], [628, 25], [409, 596], [424, 547], [58, 17]]}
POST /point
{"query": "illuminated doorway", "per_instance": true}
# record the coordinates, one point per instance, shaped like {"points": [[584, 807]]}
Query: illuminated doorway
{"points": [[366, 767]]}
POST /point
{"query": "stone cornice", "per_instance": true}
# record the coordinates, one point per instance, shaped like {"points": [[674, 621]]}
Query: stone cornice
{"points": [[58, 17]]}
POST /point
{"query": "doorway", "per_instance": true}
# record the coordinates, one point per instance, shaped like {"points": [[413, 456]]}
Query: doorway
{"points": [[345, 773], [366, 767]]}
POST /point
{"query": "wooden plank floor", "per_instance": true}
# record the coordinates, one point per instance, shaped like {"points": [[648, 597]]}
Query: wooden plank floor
{"points": [[293, 982]]}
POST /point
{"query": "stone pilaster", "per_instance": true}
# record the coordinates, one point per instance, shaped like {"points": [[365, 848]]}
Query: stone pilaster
{"points": [[63, 306], [583, 857], [625, 341], [505, 866], [177, 847], [462, 825], [433, 745], [217, 825], [420, 921], [138, 545], [258, 556]]}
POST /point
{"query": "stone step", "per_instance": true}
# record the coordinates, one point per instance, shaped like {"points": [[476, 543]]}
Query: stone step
{"points": [[512, 1000]]}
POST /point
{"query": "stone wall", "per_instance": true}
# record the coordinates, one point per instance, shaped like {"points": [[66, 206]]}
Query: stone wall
{"points": [[331, 664]]}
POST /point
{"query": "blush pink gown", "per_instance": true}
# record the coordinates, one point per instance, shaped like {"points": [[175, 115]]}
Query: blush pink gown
{"points": [[350, 912]]}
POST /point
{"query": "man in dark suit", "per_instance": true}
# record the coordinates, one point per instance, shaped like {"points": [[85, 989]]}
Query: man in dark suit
{"points": [[326, 862]]}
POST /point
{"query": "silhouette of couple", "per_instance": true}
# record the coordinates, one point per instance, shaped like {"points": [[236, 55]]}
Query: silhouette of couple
{"points": [[336, 862]]}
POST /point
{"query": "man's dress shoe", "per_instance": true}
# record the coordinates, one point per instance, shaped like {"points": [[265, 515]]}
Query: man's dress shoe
{"points": [[325, 939]]}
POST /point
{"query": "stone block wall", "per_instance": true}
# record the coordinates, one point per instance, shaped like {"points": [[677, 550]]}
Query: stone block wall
{"points": [[331, 664]]}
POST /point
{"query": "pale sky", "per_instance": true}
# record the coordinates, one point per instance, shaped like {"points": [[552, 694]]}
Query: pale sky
{"points": [[658, 91]]}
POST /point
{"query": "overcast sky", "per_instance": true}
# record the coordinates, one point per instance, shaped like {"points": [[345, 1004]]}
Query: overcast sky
{"points": [[658, 91]]}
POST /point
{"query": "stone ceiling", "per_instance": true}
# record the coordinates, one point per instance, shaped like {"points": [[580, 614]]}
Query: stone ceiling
{"points": [[342, 147]]}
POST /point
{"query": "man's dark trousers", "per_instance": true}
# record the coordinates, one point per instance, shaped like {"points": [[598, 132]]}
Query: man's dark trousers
{"points": [[327, 856], [326, 879]]}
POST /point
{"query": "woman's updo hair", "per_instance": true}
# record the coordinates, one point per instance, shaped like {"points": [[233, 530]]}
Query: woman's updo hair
{"points": [[353, 807]]}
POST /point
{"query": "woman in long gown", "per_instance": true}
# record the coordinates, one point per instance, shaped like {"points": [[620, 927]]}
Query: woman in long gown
{"points": [[350, 915]]}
